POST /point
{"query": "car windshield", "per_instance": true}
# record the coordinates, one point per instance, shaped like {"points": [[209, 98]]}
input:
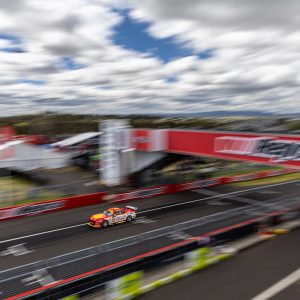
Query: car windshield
{"points": [[106, 212]]}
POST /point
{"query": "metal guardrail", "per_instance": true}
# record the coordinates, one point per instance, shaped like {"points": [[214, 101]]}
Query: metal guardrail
{"points": [[252, 211]]}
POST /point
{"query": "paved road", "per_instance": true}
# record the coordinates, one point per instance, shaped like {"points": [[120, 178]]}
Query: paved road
{"points": [[290, 293], [48, 235], [243, 277], [61, 219], [41, 237]]}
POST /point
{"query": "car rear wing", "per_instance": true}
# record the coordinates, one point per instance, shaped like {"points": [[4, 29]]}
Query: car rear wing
{"points": [[132, 207]]}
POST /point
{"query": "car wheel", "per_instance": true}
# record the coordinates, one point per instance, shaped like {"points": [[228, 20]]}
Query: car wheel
{"points": [[104, 224], [129, 219]]}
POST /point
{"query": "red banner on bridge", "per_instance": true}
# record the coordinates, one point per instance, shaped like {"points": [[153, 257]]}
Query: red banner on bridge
{"points": [[264, 148], [149, 140]]}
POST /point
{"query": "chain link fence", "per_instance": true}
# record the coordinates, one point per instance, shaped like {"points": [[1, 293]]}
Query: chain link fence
{"points": [[199, 172], [101, 256], [47, 185], [15, 190], [210, 222]]}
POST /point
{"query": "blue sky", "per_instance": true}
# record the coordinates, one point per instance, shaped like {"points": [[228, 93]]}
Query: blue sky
{"points": [[9, 37], [132, 34], [217, 55], [31, 81], [14, 43], [69, 63]]}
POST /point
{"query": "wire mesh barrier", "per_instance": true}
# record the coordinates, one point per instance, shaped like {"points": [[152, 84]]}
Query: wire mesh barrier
{"points": [[118, 244], [200, 172], [107, 257], [15, 191]]}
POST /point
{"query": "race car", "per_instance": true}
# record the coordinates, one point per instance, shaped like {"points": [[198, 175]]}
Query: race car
{"points": [[111, 216]]}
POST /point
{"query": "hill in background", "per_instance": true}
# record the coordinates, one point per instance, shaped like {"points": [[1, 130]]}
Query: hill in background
{"points": [[61, 125]]}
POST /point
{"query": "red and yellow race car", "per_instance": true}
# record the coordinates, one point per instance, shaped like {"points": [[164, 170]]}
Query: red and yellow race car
{"points": [[111, 216]]}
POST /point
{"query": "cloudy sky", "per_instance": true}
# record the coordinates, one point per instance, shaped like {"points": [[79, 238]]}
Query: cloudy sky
{"points": [[145, 56]]}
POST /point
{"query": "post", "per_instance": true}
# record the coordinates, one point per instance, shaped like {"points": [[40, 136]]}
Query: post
{"points": [[11, 198], [111, 143]]}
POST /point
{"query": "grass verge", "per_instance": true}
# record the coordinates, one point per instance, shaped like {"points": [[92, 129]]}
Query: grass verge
{"points": [[270, 180], [14, 191]]}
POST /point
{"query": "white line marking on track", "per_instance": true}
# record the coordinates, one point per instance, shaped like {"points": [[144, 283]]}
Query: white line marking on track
{"points": [[241, 200], [123, 239], [179, 235], [40, 276], [270, 192], [16, 250], [214, 202], [143, 220], [218, 203], [158, 208], [220, 196], [279, 286], [41, 233]]}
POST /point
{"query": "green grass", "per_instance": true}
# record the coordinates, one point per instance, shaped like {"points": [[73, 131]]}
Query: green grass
{"points": [[234, 168], [240, 170], [14, 191], [270, 180], [6, 182]]}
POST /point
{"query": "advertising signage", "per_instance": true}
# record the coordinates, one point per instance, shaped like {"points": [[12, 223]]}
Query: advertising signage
{"points": [[264, 148]]}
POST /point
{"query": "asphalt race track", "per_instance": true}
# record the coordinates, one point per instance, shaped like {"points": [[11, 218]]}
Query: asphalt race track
{"points": [[37, 238], [244, 277]]}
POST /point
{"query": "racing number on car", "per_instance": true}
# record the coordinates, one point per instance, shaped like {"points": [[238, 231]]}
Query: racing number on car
{"points": [[120, 218]]}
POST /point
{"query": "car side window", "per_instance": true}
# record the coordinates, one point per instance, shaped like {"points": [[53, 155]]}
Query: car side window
{"points": [[118, 212]]}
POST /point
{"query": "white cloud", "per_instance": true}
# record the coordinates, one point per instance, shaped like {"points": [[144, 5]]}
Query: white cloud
{"points": [[256, 46]]}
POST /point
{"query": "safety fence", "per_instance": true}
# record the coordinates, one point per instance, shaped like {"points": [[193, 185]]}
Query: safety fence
{"points": [[50, 206], [16, 190], [96, 198], [147, 252], [187, 173], [175, 188]]}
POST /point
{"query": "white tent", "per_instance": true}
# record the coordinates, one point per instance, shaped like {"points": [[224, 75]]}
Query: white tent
{"points": [[25, 156], [76, 139]]}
